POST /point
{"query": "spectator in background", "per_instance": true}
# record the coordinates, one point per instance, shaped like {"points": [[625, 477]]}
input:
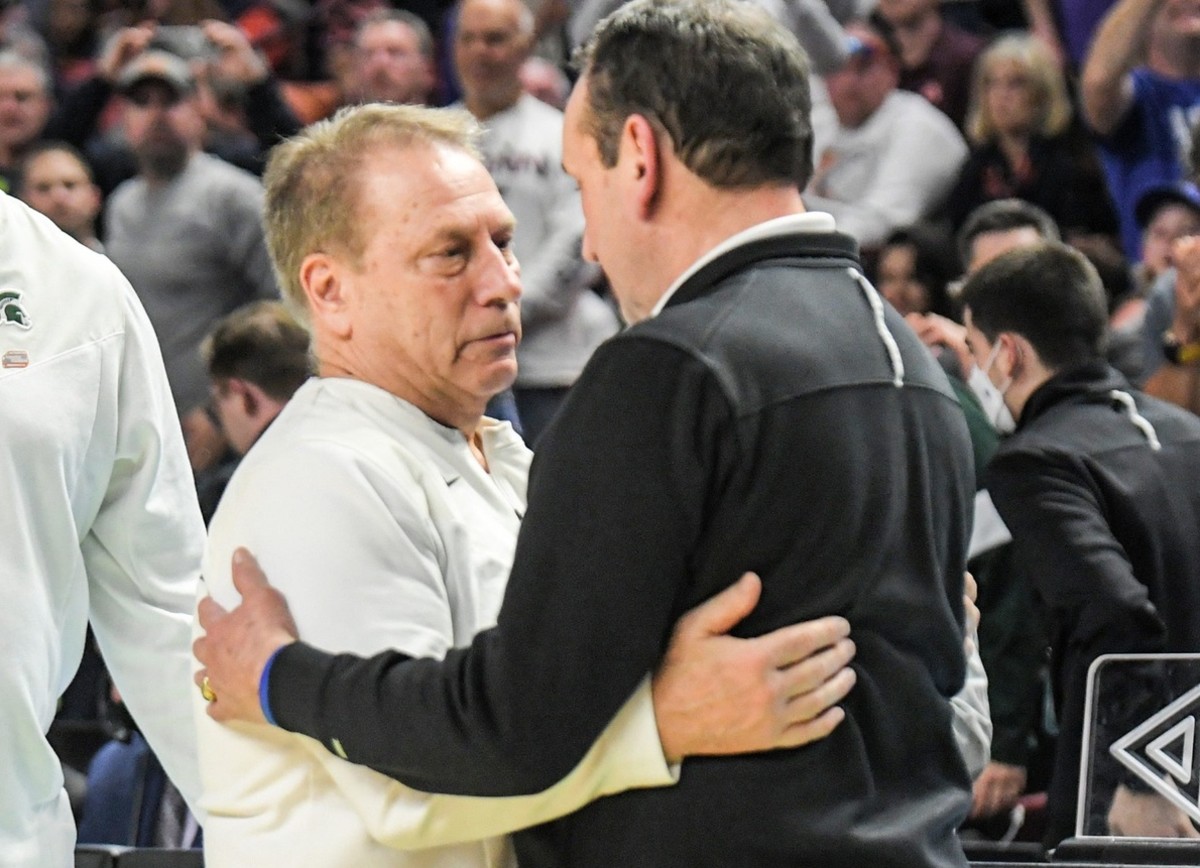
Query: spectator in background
{"points": [[186, 232], [893, 156], [1172, 353], [245, 113], [25, 104], [1165, 214], [72, 33], [240, 103], [1097, 488], [393, 59], [1019, 125], [56, 180], [390, 59], [1171, 317], [1000, 226], [1143, 110], [562, 319], [989, 231], [914, 266], [935, 55], [256, 358]]}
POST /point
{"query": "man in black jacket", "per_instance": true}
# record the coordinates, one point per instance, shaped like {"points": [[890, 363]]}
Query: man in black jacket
{"points": [[767, 410], [1098, 488]]}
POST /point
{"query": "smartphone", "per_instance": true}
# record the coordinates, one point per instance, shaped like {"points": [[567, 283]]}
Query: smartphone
{"points": [[186, 40]]}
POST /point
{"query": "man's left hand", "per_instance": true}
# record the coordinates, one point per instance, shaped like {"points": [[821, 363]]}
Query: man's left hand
{"points": [[237, 644]]}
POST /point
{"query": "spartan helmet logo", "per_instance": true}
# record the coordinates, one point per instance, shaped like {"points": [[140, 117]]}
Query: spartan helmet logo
{"points": [[12, 312]]}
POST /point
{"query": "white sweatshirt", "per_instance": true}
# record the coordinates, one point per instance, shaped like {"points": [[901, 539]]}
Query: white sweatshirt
{"points": [[99, 520]]}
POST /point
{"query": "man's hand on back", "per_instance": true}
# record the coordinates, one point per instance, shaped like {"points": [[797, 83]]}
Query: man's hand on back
{"points": [[237, 644], [717, 694]]}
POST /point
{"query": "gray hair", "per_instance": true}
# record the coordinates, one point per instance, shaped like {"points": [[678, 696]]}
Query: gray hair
{"points": [[11, 58], [411, 20]]}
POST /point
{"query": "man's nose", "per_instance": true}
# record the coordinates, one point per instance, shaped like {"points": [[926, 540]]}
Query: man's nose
{"points": [[500, 281]]}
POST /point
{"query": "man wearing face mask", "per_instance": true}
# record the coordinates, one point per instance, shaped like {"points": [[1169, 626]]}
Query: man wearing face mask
{"points": [[1012, 639], [1089, 484]]}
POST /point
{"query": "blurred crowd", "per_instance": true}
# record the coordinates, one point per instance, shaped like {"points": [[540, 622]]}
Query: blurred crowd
{"points": [[946, 133]]}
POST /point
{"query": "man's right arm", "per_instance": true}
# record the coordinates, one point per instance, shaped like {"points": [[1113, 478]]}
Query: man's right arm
{"points": [[1105, 85]]}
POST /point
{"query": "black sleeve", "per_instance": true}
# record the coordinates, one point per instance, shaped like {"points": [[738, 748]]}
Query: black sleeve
{"points": [[615, 499], [1062, 538], [966, 194], [1012, 645]]}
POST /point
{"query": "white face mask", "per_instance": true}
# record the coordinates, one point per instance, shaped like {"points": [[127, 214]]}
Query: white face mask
{"points": [[991, 396]]}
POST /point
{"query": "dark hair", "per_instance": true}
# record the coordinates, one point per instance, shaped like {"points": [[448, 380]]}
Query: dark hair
{"points": [[46, 147], [1049, 294], [721, 78], [934, 262], [1001, 216], [261, 343]]}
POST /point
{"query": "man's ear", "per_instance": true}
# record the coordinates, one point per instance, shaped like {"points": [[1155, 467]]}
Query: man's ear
{"points": [[641, 156], [251, 398], [1013, 354], [326, 288]]}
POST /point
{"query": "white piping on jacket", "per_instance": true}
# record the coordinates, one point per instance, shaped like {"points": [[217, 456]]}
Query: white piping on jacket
{"points": [[1139, 421], [889, 341]]}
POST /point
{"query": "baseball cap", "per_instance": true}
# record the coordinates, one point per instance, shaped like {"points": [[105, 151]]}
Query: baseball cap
{"points": [[1180, 192], [155, 65]]}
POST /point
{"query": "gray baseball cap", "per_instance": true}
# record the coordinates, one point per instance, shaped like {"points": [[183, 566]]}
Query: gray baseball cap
{"points": [[155, 65]]}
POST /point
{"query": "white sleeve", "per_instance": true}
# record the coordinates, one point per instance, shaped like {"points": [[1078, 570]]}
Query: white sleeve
{"points": [[627, 755], [973, 714], [142, 554]]}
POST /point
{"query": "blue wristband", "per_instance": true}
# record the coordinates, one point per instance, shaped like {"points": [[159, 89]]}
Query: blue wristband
{"points": [[264, 688]]}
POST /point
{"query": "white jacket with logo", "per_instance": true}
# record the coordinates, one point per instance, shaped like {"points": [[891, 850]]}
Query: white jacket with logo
{"points": [[98, 519]]}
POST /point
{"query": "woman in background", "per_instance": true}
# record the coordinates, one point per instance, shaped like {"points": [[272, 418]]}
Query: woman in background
{"points": [[1024, 145]]}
